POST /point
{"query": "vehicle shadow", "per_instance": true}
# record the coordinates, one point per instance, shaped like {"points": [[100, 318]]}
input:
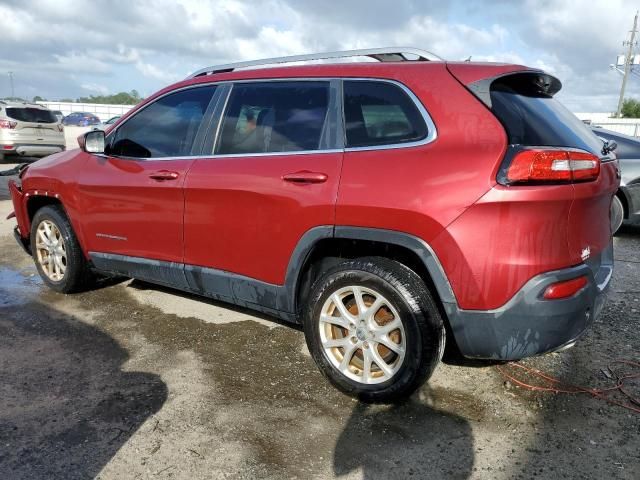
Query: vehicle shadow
{"points": [[66, 404], [408, 440]]}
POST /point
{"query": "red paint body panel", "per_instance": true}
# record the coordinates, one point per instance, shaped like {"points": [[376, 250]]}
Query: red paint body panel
{"points": [[420, 190], [242, 217], [120, 201], [592, 201]]}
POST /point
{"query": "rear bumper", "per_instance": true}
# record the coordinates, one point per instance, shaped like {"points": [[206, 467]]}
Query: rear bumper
{"points": [[33, 150], [528, 325]]}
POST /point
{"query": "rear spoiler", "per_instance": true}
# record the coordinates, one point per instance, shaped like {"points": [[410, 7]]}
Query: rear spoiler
{"points": [[479, 79]]}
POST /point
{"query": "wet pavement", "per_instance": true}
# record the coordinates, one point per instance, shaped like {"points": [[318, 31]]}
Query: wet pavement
{"points": [[136, 381]]}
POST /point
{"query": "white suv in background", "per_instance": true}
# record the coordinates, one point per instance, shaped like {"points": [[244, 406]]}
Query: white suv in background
{"points": [[28, 129]]}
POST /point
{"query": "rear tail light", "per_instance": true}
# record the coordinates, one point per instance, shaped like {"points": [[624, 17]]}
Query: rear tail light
{"points": [[565, 288], [549, 165], [8, 124]]}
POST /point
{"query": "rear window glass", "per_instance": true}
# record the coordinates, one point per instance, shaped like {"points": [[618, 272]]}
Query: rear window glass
{"points": [[532, 118], [35, 115], [380, 113]]}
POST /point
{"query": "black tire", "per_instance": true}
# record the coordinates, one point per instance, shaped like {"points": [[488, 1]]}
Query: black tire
{"points": [[77, 276], [423, 326]]}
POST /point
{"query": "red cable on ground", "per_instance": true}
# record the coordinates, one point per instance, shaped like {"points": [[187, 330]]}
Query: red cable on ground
{"points": [[556, 385]]}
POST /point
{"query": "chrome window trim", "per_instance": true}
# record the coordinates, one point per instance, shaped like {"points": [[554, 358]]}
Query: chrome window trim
{"points": [[432, 133]]}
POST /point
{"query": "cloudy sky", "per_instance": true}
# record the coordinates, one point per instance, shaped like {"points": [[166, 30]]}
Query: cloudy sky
{"points": [[65, 48]]}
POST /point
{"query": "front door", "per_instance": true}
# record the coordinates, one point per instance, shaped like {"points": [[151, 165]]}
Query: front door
{"points": [[132, 198]]}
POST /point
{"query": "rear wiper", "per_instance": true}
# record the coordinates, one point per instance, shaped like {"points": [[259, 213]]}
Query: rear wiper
{"points": [[609, 146]]}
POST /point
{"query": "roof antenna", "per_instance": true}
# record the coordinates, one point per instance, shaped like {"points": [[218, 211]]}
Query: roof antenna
{"points": [[468, 59]]}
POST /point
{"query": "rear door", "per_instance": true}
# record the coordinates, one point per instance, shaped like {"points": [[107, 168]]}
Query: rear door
{"points": [[132, 196], [271, 177]]}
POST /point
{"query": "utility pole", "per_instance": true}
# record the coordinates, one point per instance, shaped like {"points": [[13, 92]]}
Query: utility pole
{"points": [[628, 61], [13, 93]]}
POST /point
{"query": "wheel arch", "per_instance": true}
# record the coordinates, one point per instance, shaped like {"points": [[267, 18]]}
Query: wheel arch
{"points": [[331, 245], [34, 203]]}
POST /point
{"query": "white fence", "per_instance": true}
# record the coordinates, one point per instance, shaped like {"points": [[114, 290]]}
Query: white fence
{"points": [[104, 112], [627, 126]]}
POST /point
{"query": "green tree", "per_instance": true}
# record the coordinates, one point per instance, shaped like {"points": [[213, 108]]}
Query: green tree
{"points": [[38, 98], [67, 100], [121, 98], [631, 108]]}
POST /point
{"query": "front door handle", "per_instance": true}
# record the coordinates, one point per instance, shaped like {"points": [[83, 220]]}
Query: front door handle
{"points": [[305, 177], [164, 175]]}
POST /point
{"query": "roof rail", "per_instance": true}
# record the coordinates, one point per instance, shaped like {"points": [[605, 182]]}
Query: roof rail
{"points": [[386, 54]]}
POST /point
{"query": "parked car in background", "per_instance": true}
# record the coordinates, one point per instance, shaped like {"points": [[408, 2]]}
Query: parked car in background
{"points": [[107, 124], [81, 119], [383, 206], [59, 115], [626, 203], [29, 129]]}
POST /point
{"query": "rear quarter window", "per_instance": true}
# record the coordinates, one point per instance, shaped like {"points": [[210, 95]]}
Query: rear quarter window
{"points": [[380, 113]]}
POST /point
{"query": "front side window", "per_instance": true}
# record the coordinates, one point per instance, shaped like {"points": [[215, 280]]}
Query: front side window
{"points": [[266, 117], [166, 128], [380, 113]]}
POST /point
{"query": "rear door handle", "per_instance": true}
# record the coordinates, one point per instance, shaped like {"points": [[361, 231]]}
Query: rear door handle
{"points": [[164, 175], [305, 177]]}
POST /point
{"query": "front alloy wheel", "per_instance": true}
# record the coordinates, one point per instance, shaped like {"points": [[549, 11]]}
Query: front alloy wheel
{"points": [[50, 250]]}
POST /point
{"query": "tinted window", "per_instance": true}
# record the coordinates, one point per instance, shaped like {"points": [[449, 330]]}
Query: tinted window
{"points": [[274, 117], [380, 113], [533, 118], [35, 115], [166, 128]]}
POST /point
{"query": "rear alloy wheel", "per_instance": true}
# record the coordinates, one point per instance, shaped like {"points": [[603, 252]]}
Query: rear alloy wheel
{"points": [[617, 214], [362, 334], [373, 329]]}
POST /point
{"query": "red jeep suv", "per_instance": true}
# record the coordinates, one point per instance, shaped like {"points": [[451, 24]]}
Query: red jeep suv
{"points": [[383, 205]]}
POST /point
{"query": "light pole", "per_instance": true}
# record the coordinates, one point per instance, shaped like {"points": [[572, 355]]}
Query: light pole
{"points": [[627, 65], [13, 93]]}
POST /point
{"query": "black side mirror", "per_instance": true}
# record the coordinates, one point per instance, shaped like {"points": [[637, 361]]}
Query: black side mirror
{"points": [[92, 142]]}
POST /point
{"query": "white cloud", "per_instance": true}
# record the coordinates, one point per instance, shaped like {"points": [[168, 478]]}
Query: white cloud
{"points": [[95, 88], [56, 47]]}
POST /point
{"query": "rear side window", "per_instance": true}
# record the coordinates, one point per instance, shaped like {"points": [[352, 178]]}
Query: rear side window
{"points": [[34, 115], [267, 117], [380, 113], [533, 118], [166, 128]]}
